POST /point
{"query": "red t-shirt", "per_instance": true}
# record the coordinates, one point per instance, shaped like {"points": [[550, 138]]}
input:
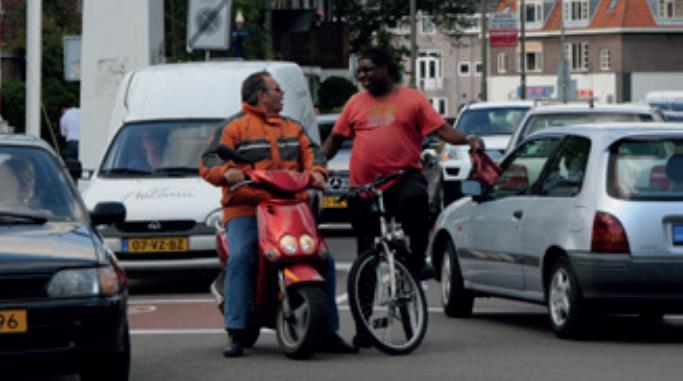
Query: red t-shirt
{"points": [[387, 132]]}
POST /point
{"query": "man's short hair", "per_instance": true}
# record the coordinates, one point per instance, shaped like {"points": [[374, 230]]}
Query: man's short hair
{"points": [[380, 57], [252, 85]]}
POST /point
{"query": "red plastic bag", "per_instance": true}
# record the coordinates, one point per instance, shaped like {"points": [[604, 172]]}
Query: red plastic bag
{"points": [[484, 169]]}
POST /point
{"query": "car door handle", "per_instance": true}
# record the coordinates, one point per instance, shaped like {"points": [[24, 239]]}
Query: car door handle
{"points": [[517, 214]]}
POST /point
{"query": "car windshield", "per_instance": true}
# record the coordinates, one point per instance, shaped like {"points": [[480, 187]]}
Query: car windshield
{"points": [[158, 149], [34, 188], [541, 121], [325, 130], [490, 121], [646, 169]]}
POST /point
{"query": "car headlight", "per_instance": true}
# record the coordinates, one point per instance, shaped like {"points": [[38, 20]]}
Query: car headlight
{"points": [[307, 243], [83, 282], [215, 218], [288, 244]]}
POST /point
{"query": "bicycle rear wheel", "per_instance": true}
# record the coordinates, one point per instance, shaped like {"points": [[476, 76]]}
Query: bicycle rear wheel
{"points": [[394, 325]]}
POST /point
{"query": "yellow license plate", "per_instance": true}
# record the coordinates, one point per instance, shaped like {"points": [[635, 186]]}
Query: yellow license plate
{"points": [[334, 202], [13, 321], [156, 245]]}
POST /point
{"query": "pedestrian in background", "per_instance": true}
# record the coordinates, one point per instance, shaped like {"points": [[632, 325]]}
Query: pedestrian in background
{"points": [[70, 129]]}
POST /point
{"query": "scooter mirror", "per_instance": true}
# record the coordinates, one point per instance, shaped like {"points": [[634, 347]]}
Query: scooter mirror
{"points": [[226, 153]]}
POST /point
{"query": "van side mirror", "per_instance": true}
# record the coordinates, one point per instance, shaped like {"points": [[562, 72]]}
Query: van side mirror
{"points": [[107, 213], [75, 168]]}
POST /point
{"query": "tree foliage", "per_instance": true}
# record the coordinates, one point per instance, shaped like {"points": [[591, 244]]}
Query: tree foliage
{"points": [[60, 18], [334, 92], [256, 46], [370, 26]]}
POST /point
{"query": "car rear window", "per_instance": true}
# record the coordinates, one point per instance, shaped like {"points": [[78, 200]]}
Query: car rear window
{"points": [[541, 121], [646, 169], [491, 121]]}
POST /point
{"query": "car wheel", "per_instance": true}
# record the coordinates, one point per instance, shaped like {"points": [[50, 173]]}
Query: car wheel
{"points": [[565, 305], [456, 300], [110, 366]]}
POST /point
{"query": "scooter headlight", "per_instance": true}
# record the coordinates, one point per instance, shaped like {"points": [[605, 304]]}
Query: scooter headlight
{"points": [[288, 244], [307, 243]]}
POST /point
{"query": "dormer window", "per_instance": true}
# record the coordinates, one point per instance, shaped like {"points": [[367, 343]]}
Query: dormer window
{"points": [[576, 12], [670, 9], [534, 12]]}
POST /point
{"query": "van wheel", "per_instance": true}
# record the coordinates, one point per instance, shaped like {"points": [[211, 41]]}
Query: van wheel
{"points": [[565, 304], [456, 300]]}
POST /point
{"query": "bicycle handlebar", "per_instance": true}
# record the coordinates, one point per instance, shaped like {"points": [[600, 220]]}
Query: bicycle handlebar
{"points": [[357, 190]]}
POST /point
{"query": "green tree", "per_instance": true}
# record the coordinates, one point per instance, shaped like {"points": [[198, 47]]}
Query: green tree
{"points": [[256, 46], [370, 26], [60, 17], [334, 92]]}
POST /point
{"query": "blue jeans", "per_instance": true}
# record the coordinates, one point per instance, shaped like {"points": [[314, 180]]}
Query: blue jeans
{"points": [[242, 236]]}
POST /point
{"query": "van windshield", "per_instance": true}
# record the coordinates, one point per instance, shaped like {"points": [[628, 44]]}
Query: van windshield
{"points": [[158, 149]]}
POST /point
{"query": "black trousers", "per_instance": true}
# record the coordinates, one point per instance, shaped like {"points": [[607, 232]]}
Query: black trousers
{"points": [[407, 200]]}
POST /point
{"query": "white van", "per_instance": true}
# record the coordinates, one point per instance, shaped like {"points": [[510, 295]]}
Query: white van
{"points": [[163, 119]]}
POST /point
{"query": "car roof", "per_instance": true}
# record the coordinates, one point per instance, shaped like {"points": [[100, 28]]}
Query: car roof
{"points": [[486, 105], [24, 140], [616, 129], [585, 107]]}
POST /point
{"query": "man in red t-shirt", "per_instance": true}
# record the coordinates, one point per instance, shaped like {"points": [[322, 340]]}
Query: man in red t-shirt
{"points": [[388, 124]]}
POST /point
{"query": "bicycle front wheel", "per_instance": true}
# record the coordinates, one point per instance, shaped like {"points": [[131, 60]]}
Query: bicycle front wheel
{"points": [[394, 324]]}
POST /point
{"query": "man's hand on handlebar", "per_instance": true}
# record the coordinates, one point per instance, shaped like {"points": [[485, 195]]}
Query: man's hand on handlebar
{"points": [[233, 176], [476, 144], [318, 180]]}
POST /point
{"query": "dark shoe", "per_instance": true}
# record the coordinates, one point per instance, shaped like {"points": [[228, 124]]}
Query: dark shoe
{"points": [[360, 341], [233, 348], [335, 344]]}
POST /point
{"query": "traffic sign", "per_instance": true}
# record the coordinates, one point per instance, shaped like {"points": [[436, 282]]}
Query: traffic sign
{"points": [[208, 25]]}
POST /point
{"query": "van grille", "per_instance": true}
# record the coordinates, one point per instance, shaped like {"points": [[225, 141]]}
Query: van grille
{"points": [[19, 286], [156, 226]]}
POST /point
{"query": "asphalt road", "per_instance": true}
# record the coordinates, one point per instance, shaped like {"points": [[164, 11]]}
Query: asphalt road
{"points": [[177, 335]]}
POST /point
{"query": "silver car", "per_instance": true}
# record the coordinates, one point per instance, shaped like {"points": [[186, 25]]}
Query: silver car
{"points": [[545, 116], [583, 219]]}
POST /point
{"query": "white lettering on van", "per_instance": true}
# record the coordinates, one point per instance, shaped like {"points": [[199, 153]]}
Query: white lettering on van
{"points": [[159, 193]]}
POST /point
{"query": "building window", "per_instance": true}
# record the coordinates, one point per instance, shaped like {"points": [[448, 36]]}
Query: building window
{"points": [[534, 61], [577, 54], [464, 68], [670, 9], [429, 70], [478, 68], [440, 104], [534, 12], [427, 25], [576, 11], [605, 59], [501, 63]]}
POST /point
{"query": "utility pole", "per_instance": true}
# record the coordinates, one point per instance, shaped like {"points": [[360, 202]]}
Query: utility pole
{"points": [[484, 52], [413, 44], [34, 17], [522, 50], [564, 93]]}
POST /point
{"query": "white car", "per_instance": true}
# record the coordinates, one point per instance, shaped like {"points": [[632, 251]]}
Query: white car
{"points": [[581, 113], [494, 123], [583, 219]]}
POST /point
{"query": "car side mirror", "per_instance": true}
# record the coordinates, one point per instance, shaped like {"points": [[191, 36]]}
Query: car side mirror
{"points": [[75, 169], [107, 213], [473, 189]]}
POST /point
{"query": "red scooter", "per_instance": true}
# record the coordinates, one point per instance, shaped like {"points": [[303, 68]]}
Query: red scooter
{"points": [[289, 290]]}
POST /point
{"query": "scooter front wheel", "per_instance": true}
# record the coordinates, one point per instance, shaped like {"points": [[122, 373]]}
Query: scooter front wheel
{"points": [[299, 332]]}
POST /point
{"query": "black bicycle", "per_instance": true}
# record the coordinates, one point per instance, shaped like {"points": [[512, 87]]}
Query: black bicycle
{"points": [[386, 299]]}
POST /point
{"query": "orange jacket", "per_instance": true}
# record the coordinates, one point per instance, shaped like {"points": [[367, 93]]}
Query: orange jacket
{"points": [[272, 142]]}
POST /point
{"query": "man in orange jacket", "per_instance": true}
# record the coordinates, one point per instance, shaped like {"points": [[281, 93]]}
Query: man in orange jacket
{"points": [[259, 133]]}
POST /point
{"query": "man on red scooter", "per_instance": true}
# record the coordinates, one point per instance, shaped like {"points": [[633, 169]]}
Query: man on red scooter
{"points": [[259, 133]]}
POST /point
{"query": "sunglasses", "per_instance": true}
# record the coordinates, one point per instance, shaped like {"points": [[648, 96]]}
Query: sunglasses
{"points": [[365, 69]]}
